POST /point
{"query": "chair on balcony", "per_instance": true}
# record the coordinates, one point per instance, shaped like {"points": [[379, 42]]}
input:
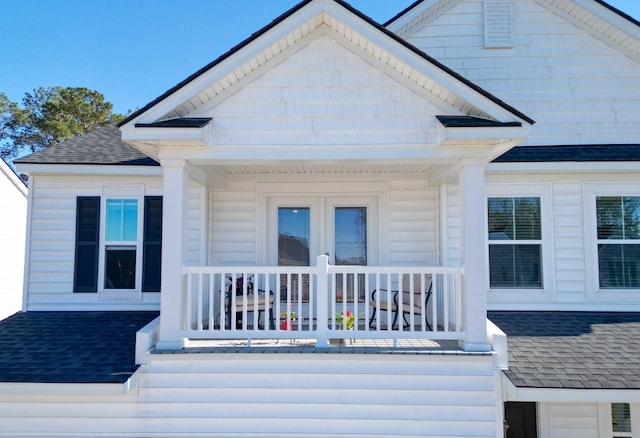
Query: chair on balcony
{"points": [[407, 308], [260, 304]]}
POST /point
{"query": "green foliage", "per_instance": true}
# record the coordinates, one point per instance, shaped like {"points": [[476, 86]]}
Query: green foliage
{"points": [[49, 116]]}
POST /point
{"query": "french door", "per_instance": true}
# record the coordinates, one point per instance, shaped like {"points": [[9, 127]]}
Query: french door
{"points": [[345, 227]]}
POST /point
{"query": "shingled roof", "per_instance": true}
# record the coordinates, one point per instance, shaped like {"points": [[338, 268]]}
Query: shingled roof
{"points": [[568, 153], [70, 347], [103, 146], [572, 350]]}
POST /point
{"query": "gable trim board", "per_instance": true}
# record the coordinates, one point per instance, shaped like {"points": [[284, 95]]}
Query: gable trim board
{"points": [[13, 177], [410, 63]]}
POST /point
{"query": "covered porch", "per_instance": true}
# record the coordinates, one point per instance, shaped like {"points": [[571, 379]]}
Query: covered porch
{"points": [[428, 298]]}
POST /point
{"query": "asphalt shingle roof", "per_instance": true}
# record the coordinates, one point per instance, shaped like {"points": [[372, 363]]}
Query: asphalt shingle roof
{"points": [[581, 153], [70, 347], [102, 146], [572, 350]]}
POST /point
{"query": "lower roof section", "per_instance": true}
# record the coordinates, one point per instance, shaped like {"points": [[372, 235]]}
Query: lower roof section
{"points": [[572, 350], [70, 347], [571, 153]]}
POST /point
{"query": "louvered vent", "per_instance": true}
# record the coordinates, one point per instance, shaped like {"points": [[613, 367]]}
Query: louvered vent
{"points": [[498, 23]]}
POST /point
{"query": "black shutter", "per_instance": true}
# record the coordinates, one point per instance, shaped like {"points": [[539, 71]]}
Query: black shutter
{"points": [[87, 240], [152, 244]]}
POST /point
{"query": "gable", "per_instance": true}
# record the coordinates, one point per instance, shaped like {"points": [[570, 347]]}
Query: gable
{"points": [[578, 87], [325, 94], [290, 60]]}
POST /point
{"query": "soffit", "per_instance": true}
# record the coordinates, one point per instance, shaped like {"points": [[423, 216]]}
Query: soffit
{"points": [[618, 31]]}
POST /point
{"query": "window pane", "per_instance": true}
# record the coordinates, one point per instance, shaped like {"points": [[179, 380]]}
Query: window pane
{"points": [[515, 266], [620, 417], [619, 265], [351, 236], [527, 218], [120, 267], [500, 211], [121, 220], [618, 217], [514, 218], [293, 236]]}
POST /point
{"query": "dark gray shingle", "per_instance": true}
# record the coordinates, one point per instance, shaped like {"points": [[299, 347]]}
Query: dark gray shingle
{"points": [[574, 350], [70, 347], [100, 147], [568, 153]]}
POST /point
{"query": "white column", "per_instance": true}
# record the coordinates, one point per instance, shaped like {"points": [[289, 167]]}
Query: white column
{"points": [[474, 303], [174, 223], [322, 271]]}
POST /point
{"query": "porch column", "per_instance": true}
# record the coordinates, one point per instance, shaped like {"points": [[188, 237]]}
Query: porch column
{"points": [[474, 303], [174, 222]]}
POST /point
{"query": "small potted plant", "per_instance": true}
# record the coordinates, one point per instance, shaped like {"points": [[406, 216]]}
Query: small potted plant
{"points": [[346, 320], [287, 320]]}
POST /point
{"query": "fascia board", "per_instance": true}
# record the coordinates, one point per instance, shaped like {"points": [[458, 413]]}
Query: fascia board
{"points": [[574, 395], [13, 178], [564, 167], [219, 71], [88, 169], [432, 71], [73, 389], [190, 136]]}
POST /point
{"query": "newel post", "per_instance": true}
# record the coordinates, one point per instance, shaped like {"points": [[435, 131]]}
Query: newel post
{"points": [[322, 283], [474, 302], [174, 223]]}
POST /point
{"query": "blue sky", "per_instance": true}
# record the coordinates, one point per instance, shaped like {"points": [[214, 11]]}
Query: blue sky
{"points": [[134, 50]]}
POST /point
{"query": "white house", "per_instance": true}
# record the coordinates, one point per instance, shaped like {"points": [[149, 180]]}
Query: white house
{"points": [[462, 180], [13, 214]]}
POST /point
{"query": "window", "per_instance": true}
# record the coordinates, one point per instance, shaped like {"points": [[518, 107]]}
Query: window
{"points": [[515, 242], [618, 240], [124, 248], [621, 420], [121, 243], [293, 236]]}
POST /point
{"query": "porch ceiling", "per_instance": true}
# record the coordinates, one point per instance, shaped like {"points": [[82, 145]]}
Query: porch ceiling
{"points": [[344, 167]]}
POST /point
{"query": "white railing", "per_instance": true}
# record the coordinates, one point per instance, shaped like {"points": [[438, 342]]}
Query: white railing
{"points": [[322, 302]]}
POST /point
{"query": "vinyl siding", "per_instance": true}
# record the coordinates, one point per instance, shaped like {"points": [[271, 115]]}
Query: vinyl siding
{"points": [[569, 290], [324, 95], [51, 252], [329, 395], [570, 420], [578, 89]]}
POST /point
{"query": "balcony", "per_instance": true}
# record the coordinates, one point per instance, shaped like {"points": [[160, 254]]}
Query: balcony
{"points": [[322, 303]]}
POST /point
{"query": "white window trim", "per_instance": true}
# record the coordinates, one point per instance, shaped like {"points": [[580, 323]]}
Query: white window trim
{"points": [[519, 295], [136, 192], [605, 420], [590, 192]]}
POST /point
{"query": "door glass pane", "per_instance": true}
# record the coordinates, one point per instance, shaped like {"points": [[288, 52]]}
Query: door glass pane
{"points": [[293, 236], [121, 220], [351, 236]]}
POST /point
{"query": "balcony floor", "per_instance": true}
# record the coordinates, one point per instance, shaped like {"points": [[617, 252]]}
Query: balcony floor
{"points": [[354, 346]]}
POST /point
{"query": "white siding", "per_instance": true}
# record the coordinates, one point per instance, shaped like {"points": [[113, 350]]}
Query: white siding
{"points": [[52, 247], [232, 222], [569, 420], [270, 395], [578, 89], [570, 289], [326, 95], [13, 225], [413, 219]]}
